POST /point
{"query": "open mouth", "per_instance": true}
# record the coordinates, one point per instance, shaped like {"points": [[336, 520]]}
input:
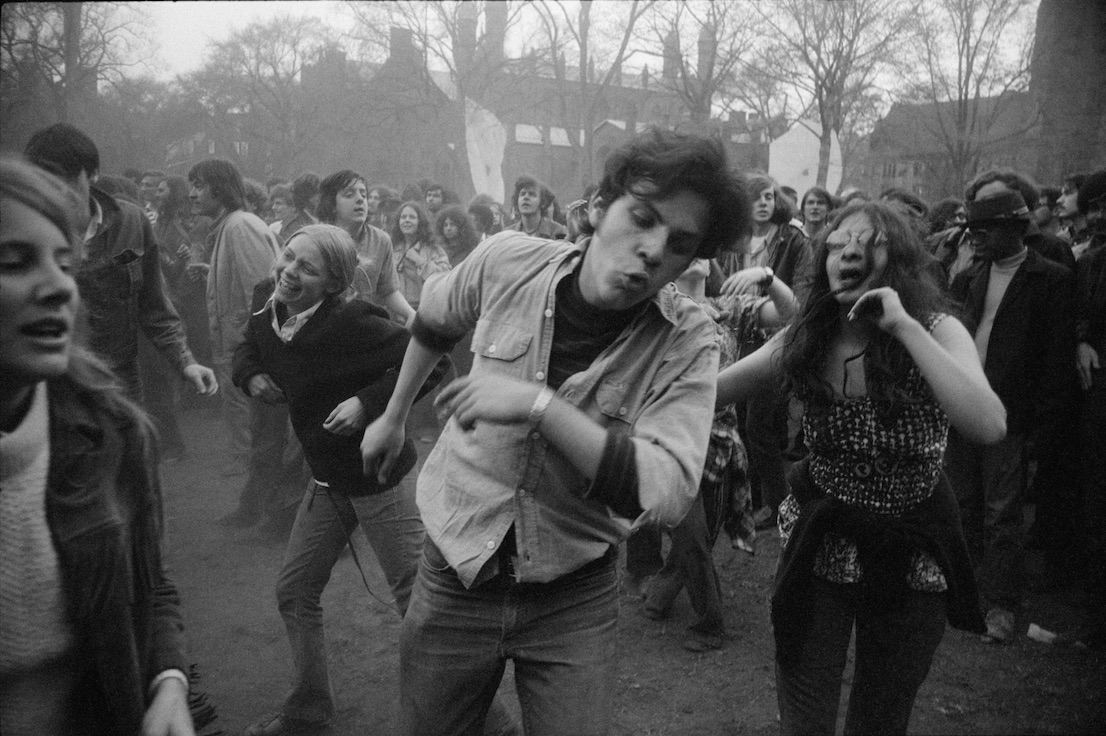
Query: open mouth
{"points": [[850, 277], [288, 289], [48, 329]]}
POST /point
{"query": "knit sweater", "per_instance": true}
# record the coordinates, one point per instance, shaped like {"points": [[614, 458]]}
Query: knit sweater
{"points": [[37, 675]]}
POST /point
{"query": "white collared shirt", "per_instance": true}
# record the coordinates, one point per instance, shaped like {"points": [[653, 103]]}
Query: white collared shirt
{"points": [[293, 324]]}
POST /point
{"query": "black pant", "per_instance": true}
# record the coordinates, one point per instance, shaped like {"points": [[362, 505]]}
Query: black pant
{"points": [[893, 655]]}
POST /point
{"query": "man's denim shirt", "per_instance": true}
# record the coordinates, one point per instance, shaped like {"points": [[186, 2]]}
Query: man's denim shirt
{"points": [[655, 382]]}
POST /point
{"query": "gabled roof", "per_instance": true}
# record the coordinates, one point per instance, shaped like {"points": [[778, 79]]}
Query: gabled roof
{"points": [[917, 128]]}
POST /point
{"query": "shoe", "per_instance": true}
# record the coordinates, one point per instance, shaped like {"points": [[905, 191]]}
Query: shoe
{"points": [[239, 519], [698, 642], [765, 518], [637, 586], [1000, 626], [278, 725]]}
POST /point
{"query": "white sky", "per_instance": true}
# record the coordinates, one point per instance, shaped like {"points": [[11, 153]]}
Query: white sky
{"points": [[182, 30]]}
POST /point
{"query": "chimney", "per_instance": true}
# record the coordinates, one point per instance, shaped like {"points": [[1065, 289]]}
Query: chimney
{"points": [[466, 36], [616, 74], [708, 49], [671, 67], [401, 49], [495, 31]]}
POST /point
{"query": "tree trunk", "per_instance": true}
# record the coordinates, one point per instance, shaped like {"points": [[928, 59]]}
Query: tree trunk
{"points": [[71, 19], [824, 144]]}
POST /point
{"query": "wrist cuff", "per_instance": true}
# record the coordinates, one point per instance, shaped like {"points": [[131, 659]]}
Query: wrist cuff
{"points": [[541, 403], [168, 675]]}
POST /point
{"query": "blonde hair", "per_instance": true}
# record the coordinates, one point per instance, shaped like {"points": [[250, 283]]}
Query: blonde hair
{"points": [[46, 194], [337, 250]]}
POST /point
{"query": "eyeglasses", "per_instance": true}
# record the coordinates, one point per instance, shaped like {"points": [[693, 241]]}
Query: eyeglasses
{"points": [[839, 239]]}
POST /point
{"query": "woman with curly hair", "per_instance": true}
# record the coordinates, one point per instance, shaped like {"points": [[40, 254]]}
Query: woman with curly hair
{"points": [[455, 233], [416, 254], [871, 530]]}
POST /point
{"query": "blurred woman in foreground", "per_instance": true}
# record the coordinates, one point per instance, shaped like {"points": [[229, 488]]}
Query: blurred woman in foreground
{"points": [[871, 530], [91, 639]]}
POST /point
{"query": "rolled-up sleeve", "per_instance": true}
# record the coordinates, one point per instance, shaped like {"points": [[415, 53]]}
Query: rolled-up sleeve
{"points": [[672, 431]]}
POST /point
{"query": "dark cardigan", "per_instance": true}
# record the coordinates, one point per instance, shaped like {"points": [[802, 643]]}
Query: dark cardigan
{"points": [[345, 349], [103, 506], [884, 544]]}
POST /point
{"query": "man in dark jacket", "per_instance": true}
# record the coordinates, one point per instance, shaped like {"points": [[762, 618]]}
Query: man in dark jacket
{"points": [[122, 289], [1019, 307]]}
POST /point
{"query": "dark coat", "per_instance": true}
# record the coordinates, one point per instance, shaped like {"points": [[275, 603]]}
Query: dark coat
{"points": [[1031, 352], [123, 291], [788, 255], [103, 506], [345, 349]]}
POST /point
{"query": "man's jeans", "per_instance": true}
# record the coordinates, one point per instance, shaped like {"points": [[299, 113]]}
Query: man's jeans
{"points": [[690, 563], [455, 643], [236, 409], [989, 482], [323, 525], [893, 655]]}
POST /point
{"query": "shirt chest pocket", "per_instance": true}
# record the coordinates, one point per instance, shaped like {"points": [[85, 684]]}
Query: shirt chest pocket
{"points": [[502, 345], [616, 402]]}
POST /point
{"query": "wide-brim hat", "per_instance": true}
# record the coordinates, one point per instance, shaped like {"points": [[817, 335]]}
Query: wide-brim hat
{"points": [[1004, 207]]}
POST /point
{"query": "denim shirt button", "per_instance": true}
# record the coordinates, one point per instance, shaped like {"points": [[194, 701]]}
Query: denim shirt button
{"points": [[549, 313], [535, 436], [491, 348], [491, 544], [540, 376], [622, 411]]}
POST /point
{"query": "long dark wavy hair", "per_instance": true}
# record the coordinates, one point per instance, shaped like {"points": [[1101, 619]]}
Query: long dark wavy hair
{"points": [[422, 235], [177, 203], [908, 271], [466, 236]]}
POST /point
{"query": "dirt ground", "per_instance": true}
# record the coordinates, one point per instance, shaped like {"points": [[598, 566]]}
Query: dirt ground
{"points": [[237, 640]]}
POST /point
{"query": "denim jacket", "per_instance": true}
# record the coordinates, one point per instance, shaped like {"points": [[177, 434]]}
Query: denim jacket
{"points": [[103, 506], [123, 291], [656, 383]]}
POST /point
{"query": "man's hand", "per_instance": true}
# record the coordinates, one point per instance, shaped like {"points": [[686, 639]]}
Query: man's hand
{"points": [[168, 714], [487, 398], [262, 387], [381, 445], [198, 271], [202, 379], [347, 417], [1087, 362], [745, 281]]}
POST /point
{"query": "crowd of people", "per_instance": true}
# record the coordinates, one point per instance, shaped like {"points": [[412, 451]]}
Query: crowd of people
{"points": [[680, 351]]}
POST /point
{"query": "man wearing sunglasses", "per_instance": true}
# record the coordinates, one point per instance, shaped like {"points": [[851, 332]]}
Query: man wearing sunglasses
{"points": [[1020, 306]]}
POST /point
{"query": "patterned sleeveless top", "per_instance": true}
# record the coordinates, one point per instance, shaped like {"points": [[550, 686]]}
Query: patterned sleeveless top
{"points": [[881, 458]]}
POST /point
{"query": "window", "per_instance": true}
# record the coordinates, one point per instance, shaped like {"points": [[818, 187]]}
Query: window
{"points": [[242, 148], [211, 147]]}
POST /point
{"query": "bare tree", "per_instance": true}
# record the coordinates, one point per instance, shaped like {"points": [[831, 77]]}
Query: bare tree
{"points": [[832, 53], [63, 50], [571, 37], [723, 32], [251, 83], [974, 55]]}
